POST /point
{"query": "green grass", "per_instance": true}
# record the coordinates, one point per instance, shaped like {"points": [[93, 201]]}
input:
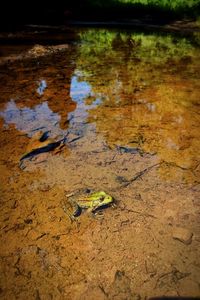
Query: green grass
{"points": [[169, 8], [175, 4], [166, 4]]}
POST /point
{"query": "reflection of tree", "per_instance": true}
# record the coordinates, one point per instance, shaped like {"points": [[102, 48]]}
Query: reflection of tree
{"points": [[149, 85], [23, 79]]}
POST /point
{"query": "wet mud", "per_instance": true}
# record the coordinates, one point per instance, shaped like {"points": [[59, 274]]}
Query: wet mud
{"points": [[127, 106]]}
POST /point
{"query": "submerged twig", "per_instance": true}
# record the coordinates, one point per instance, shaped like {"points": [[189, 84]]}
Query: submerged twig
{"points": [[143, 214], [140, 174], [173, 276], [75, 139], [173, 164]]}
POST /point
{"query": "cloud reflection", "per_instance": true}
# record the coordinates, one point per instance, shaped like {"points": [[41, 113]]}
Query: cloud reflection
{"points": [[29, 119], [42, 87]]}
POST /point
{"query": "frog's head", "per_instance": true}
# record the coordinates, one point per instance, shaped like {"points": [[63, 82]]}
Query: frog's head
{"points": [[104, 198]]}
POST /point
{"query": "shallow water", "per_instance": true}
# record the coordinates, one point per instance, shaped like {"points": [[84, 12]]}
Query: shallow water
{"points": [[128, 105], [136, 90]]}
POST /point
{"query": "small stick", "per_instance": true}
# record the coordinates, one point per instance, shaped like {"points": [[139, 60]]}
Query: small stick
{"points": [[140, 174]]}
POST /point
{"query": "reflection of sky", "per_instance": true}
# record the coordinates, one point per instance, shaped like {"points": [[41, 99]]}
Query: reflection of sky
{"points": [[42, 117], [28, 119], [79, 92], [42, 87]]}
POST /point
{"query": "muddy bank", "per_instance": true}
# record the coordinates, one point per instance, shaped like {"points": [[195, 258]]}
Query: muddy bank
{"points": [[129, 253], [179, 26], [46, 33], [29, 53]]}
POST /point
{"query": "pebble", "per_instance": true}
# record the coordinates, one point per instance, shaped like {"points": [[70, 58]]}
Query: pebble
{"points": [[183, 235]]}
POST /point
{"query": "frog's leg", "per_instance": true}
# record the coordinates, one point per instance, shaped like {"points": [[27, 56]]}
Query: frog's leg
{"points": [[76, 209], [71, 216], [91, 211], [113, 205], [92, 208], [99, 212]]}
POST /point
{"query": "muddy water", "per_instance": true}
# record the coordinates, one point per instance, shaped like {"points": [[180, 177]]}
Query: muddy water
{"points": [[127, 106]]}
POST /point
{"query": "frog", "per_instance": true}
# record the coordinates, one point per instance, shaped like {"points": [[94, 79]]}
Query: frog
{"points": [[91, 201]]}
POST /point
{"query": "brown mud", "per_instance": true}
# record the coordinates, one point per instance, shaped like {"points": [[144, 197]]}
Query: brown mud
{"points": [[128, 105]]}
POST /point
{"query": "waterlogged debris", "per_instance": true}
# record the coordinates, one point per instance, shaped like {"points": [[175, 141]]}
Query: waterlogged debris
{"points": [[37, 50], [43, 136], [85, 200], [41, 147], [121, 287], [128, 150], [123, 149], [183, 235], [40, 136], [40, 143], [139, 175], [121, 179], [73, 138], [170, 278]]}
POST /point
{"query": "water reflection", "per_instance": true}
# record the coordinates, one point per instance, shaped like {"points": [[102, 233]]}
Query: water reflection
{"points": [[29, 119], [42, 87], [138, 90], [149, 85], [41, 116], [81, 92]]}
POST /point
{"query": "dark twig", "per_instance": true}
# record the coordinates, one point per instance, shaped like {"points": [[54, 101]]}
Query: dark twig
{"points": [[140, 174], [141, 213]]}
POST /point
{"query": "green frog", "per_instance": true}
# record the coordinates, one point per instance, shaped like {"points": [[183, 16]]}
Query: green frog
{"points": [[87, 200]]}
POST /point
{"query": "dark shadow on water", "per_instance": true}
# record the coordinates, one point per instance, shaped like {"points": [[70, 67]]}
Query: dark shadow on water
{"points": [[18, 13], [47, 148]]}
